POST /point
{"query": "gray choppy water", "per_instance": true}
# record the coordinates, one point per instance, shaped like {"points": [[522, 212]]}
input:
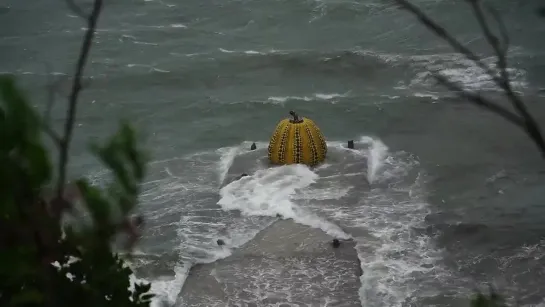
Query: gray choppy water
{"points": [[455, 200]]}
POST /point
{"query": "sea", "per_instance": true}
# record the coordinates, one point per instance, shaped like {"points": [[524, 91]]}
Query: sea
{"points": [[442, 198]]}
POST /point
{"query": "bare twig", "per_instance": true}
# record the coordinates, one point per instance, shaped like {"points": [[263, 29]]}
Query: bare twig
{"points": [[52, 91], [492, 39], [531, 126], [74, 94], [76, 8], [482, 102], [524, 119], [51, 95], [444, 34], [52, 134], [52, 88], [502, 28]]}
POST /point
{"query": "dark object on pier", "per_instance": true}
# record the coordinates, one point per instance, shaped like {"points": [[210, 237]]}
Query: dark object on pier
{"points": [[351, 144], [240, 177], [279, 248], [220, 242], [336, 243], [253, 147]]}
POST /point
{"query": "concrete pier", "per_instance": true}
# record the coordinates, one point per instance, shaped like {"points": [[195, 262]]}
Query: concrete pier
{"points": [[286, 263]]}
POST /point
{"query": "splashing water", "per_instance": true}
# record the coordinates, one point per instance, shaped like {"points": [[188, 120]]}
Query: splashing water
{"points": [[185, 209]]}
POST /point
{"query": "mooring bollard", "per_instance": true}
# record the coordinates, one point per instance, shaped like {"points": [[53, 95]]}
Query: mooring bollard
{"points": [[351, 144]]}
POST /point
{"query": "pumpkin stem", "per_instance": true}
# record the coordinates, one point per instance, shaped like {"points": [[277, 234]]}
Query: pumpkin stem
{"points": [[296, 118]]}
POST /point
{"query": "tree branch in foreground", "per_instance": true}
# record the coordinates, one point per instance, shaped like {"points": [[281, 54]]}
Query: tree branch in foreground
{"points": [[481, 101], [76, 88], [522, 118], [76, 9], [53, 85]]}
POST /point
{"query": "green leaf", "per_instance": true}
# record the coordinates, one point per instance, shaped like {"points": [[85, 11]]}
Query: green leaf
{"points": [[98, 206], [26, 171], [27, 297], [492, 300]]}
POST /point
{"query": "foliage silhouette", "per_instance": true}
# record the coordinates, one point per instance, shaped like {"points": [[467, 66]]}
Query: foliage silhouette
{"points": [[34, 231], [56, 248], [491, 300]]}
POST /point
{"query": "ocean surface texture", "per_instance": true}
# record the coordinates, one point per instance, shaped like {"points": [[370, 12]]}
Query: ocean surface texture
{"points": [[440, 196]]}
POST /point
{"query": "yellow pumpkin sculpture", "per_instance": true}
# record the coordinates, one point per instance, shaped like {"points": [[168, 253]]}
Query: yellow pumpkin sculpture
{"points": [[297, 140]]}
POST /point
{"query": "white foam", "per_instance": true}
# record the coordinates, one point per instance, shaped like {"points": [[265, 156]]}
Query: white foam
{"points": [[226, 160], [328, 193], [226, 51], [427, 95], [377, 152], [392, 257], [391, 96], [331, 97], [268, 193], [396, 263], [167, 185], [282, 99], [253, 52], [381, 213], [454, 66], [146, 43], [458, 69], [159, 70], [328, 96], [165, 288], [170, 192], [151, 67]]}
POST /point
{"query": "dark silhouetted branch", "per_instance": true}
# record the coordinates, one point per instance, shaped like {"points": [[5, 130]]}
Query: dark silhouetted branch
{"points": [[76, 9], [51, 93], [76, 88], [52, 134], [53, 85], [541, 12], [493, 41], [444, 34], [481, 101], [502, 28], [523, 119]]}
